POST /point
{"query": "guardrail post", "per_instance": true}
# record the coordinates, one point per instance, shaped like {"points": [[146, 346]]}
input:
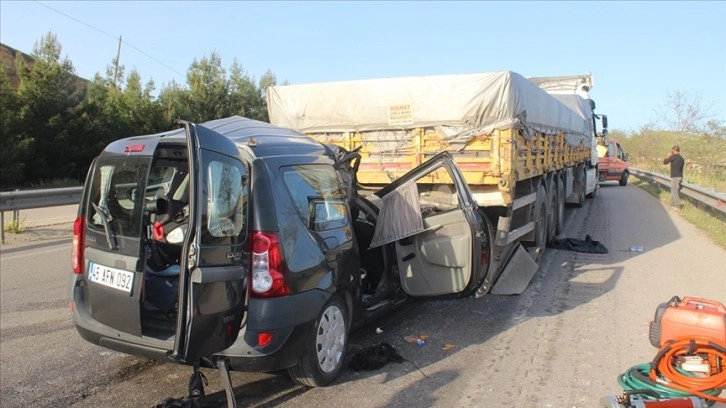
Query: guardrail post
{"points": [[2, 227], [16, 215]]}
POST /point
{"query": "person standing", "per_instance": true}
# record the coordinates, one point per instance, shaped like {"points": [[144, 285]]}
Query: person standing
{"points": [[676, 161]]}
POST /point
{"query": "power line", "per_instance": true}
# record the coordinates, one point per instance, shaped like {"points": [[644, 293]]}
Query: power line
{"points": [[110, 35]]}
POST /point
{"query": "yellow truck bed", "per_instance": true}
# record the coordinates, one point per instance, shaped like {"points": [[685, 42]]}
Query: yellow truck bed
{"points": [[493, 162]]}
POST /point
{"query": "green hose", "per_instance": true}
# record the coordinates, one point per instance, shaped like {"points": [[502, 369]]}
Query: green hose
{"points": [[636, 379]]}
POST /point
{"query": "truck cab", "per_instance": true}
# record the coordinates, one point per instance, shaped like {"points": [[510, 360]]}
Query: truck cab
{"points": [[612, 161]]}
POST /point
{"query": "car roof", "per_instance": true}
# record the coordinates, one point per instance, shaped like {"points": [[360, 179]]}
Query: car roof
{"points": [[264, 139]]}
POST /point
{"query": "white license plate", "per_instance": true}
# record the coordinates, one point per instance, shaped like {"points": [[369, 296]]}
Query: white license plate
{"points": [[112, 277]]}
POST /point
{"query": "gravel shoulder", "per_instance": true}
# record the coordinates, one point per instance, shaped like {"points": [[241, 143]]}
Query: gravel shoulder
{"points": [[38, 233]]}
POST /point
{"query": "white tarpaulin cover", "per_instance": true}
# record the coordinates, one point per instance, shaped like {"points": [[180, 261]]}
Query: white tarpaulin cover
{"points": [[463, 105], [571, 84]]}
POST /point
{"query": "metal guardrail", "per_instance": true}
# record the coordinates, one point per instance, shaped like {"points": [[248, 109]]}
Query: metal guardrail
{"points": [[713, 200], [50, 197], [25, 200]]}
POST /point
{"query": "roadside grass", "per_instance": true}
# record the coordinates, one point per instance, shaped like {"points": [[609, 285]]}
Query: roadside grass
{"points": [[712, 225], [14, 227]]}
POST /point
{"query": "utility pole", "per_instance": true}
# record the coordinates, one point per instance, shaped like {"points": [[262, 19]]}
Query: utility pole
{"points": [[118, 56]]}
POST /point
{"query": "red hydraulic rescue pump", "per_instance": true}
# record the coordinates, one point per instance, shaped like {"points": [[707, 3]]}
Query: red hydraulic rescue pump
{"points": [[688, 317]]}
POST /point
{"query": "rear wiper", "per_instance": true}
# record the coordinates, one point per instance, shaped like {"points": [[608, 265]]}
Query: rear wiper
{"points": [[110, 233]]}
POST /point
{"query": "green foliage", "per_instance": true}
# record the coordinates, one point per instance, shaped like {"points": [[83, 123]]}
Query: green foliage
{"points": [[213, 94], [47, 97], [14, 146], [52, 125], [36, 115]]}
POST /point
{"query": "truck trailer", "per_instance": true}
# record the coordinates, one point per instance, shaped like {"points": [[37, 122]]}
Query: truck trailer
{"points": [[523, 151]]}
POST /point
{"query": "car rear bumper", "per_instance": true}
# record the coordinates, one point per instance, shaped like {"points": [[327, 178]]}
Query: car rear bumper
{"points": [[610, 174], [289, 320]]}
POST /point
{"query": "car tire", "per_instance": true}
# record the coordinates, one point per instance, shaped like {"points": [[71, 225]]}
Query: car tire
{"points": [[325, 347], [624, 179]]}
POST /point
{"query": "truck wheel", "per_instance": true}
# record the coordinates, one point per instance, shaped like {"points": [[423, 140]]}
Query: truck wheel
{"points": [[551, 211], [325, 348], [540, 219], [593, 194], [624, 179], [581, 193], [560, 206]]}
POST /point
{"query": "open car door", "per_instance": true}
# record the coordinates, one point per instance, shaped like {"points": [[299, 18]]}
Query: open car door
{"points": [[433, 219], [213, 282]]}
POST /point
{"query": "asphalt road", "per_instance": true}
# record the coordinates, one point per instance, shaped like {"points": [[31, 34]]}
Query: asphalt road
{"points": [[582, 321]]}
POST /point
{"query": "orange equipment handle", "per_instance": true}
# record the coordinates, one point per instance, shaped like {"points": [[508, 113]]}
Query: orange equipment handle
{"points": [[705, 302]]}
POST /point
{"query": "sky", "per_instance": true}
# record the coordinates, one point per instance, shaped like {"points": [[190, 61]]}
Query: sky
{"points": [[639, 53]]}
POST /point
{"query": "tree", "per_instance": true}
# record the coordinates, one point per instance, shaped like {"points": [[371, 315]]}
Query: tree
{"points": [[267, 80], [208, 89], [47, 96], [685, 112], [111, 111], [55, 123], [14, 147], [245, 97], [174, 101]]}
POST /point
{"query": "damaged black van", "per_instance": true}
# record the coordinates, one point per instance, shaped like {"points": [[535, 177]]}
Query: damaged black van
{"points": [[241, 245]]}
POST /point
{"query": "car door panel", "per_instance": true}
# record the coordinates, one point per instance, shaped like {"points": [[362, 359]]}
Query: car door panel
{"points": [[441, 262], [110, 306], [440, 259], [214, 269]]}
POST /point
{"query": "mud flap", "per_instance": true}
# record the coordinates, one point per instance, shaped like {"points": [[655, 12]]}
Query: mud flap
{"points": [[517, 274]]}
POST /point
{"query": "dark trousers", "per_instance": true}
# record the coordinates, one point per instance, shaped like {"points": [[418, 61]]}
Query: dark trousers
{"points": [[676, 191]]}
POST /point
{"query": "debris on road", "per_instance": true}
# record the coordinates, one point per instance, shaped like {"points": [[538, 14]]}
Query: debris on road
{"points": [[588, 245], [374, 357]]}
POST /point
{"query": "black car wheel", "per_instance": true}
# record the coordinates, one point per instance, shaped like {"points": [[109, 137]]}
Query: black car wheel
{"points": [[325, 347], [624, 179]]}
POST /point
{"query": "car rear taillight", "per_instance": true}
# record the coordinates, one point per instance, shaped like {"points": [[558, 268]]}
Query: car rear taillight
{"points": [[77, 250], [264, 339], [266, 273]]}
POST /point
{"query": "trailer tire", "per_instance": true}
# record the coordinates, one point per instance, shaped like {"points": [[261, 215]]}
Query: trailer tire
{"points": [[551, 213], [581, 189], [560, 185], [594, 193], [540, 220]]}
